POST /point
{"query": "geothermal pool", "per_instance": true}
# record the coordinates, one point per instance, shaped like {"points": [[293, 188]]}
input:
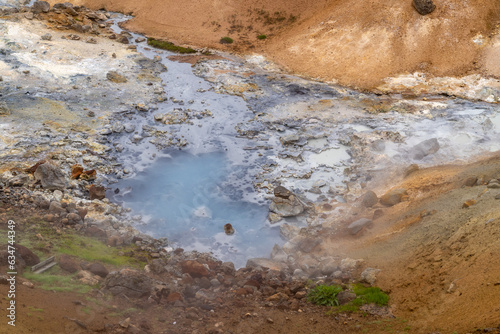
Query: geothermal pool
{"points": [[183, 197]]}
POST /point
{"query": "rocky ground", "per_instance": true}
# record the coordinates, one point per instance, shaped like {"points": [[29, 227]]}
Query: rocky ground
{"points": [[428, 236]]}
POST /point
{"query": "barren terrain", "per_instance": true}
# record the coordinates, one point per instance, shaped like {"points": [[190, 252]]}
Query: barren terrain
{"points": [[356, 43]]}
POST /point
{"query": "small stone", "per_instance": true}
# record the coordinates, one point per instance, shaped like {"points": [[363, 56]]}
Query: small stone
{"points": [[424, 7], [270, 321], [98, 269], [97, 192], [369, 199], [355, 227], [469, 203], [393, 196], [228, 229], [58, 195], [47, 37], [4, 109], [426, 147], [92, 40], [115, 77], [369, 275], [50, 176], [493, 184], [471, 181]]}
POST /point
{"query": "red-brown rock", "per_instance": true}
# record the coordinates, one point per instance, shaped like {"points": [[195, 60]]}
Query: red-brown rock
{"points": [[194, 268]]}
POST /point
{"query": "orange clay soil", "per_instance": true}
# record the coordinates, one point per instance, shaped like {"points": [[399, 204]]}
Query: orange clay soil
{"points": [[440, 260], [357, 42]]}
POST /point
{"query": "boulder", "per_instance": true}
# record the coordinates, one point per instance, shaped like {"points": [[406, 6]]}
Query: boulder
{"points": [[130, 283], [285, 203], [40, 7], [97, 192], [355, 227], [194, 268], [68, 264], [393, 196], [28, 256], [369, 275], [424, 7], [50, 176], [98, 269], [425, 148], [96, 232], [369, 199]]}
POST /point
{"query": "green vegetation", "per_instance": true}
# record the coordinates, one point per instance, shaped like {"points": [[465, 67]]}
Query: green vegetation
{"points": [[58, 282], [81, 247], [262, 37], [226, 40], [169, 46], [324, 295], [327, 295], [370, 295]]}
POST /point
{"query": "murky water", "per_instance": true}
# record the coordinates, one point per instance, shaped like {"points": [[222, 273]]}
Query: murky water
{"points": [[183, 197]]}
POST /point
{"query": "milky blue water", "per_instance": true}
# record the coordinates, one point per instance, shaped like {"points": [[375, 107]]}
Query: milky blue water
{"points": [[184, 197]]}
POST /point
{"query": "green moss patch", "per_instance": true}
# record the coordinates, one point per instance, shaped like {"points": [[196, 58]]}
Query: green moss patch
{"points": [[169, 46]]}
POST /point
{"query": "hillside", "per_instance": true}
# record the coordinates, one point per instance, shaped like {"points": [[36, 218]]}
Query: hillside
{"points": [[357, 43]]}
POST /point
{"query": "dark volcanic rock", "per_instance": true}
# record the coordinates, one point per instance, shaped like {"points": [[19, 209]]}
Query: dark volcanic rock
{"points": [[28, 256], [40, 7], [130, 283], [68, 264], [98, 269], [424, 7]]}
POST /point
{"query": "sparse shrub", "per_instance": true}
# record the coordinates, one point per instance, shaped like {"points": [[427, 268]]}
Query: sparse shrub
{"points": [[262, 37], [226, 40], [324, 295]]}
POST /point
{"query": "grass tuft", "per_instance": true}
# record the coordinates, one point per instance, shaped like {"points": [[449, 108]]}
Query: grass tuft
{"points": [[371, 295], [324, 295], [262, 37]]}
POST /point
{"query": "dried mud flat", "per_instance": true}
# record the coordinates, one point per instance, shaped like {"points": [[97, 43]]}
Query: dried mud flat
{"points": [[435, 251]]}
